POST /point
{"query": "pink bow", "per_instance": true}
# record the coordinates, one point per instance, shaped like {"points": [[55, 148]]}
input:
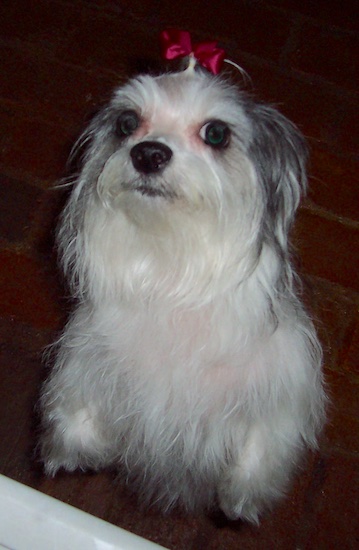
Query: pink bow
{"points": [[176, 43]]}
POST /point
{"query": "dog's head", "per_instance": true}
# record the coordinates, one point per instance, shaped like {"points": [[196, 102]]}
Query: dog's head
{"points": [[190, 153], [196, 141]]}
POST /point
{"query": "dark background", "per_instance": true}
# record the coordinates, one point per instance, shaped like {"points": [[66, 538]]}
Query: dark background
{"points": [[59, 60]]}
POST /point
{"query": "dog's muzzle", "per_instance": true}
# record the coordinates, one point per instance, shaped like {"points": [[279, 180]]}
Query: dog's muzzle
{"points": [[150, 157]]}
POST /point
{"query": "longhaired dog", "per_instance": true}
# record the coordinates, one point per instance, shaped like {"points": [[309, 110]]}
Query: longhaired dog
{"points": [[189, 361]]}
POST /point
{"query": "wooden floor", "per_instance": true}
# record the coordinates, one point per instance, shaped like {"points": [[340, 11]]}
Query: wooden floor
{"points": [[59, 60]]}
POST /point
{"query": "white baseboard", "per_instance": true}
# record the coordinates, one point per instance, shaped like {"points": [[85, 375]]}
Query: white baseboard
{"points": [[30, 520]]}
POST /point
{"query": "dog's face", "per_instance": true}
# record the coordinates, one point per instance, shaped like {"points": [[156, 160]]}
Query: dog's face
{"points": [[192, 163], [193, 142], [179, 142]]}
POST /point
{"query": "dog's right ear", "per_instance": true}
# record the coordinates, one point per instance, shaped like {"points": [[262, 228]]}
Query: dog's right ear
{"points": [[279, 154]]}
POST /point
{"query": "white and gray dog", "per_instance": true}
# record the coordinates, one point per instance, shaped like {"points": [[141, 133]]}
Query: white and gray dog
{"points": [[189, 362]]}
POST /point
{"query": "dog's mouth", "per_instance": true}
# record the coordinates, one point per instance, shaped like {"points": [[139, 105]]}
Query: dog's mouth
{"points": [[149, 191]]}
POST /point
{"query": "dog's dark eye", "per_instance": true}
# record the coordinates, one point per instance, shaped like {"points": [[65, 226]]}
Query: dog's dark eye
{"points": [[126, 123], [216, 134]]}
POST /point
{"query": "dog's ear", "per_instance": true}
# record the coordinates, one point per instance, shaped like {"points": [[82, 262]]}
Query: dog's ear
{"points": [[279, 154]]}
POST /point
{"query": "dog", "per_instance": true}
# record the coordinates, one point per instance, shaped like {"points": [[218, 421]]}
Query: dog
{"points": [[189, 362]]}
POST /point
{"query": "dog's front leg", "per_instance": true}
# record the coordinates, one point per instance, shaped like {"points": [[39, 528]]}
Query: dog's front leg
{"points": [[261, 470], [74, 434]]}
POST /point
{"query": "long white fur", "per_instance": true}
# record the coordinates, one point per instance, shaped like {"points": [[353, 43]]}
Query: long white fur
{"points": [[189, 362]]}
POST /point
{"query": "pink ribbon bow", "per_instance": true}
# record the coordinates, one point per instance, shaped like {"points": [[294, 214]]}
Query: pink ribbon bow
{"points": [[176, 43]]}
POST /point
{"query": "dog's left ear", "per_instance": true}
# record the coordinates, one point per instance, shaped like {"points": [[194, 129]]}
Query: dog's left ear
{"points": [[279, 154]]}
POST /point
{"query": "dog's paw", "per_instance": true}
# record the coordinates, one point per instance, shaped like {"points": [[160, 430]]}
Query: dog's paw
{"points": [[240, 498], [71, 442], [243, 508], [55, 456]]}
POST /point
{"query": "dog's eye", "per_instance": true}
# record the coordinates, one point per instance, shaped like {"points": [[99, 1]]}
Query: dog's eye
{"points": [[126, 123], [216, 134]]}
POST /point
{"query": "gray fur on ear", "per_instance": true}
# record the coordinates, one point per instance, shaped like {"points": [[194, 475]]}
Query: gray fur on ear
{"points": [[279, 154]]}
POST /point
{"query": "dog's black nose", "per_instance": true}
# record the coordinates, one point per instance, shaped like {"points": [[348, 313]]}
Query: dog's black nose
{"points": [[150, 156]]}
